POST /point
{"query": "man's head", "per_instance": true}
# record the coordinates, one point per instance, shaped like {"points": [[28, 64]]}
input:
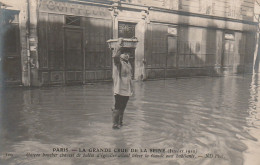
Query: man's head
{"points": [[124, 56]]}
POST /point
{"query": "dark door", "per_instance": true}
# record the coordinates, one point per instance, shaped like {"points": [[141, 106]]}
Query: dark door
{"points": [[228, 56], [73, 56], [229, 49], [172, 52], [11, 61]]}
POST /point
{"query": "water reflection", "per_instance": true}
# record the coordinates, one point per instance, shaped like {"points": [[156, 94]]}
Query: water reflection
{"points": [[211, 115]]}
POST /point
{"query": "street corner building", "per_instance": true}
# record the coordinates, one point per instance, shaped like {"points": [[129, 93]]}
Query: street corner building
{"points": [[47, 42]]}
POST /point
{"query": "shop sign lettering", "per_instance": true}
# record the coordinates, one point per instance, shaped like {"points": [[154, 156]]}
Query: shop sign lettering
{"points": [[74, 9]]}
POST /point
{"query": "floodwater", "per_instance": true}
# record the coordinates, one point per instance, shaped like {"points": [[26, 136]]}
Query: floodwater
{"points": [[213, 121]]}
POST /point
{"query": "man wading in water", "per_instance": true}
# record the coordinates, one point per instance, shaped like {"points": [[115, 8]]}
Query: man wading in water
{"points": [[122, 79]]}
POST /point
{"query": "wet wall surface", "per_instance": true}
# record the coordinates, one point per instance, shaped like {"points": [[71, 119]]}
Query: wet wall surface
{"points": [[218, 116]]}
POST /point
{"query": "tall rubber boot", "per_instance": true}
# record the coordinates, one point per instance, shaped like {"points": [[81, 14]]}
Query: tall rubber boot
{"points": [[121, 115], [115, 117]]}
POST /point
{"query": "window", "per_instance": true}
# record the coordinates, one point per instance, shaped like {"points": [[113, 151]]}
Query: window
{"points": [[73, 20], [126, 30]]}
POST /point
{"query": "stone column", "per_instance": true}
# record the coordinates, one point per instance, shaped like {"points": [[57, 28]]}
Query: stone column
{"points": [[29, 42], [24, 32], [114, 13], [141, 28], [1, 43], [33, 43]]}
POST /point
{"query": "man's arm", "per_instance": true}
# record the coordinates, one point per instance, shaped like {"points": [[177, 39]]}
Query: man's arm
{"points": [[116, 56]]}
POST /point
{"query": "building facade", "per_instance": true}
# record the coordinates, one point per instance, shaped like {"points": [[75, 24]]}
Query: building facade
{"points": [[10, 55], [65, 41]]}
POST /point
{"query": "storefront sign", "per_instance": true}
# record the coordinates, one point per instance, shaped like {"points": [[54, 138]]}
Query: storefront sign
{"points": [[74, 9], [32, 48], [172, 30], [229, 36]]}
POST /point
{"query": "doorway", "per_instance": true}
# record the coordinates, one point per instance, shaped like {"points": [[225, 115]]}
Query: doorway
{"points": [[229, 49], [10, 55], [74, 57], [172, 52]]}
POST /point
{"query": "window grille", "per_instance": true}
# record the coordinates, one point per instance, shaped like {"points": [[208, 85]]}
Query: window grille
{"points": [[73, 20], [126, 30]]}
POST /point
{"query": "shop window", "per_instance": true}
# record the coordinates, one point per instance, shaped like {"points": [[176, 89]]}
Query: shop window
{"points": [[126, 30], [72, 20]]}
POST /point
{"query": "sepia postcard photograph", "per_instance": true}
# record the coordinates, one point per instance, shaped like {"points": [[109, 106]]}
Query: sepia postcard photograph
{"points": [[129, 82]]}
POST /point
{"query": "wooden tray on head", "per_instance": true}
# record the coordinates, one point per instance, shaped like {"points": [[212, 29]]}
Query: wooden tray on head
{"points": [[125, 42]]}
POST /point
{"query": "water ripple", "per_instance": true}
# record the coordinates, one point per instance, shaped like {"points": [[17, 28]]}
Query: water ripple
{"points": [[212, 115]]}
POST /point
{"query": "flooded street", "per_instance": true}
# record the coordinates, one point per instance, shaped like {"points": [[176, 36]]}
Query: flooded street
{"points": [[214, 115]]}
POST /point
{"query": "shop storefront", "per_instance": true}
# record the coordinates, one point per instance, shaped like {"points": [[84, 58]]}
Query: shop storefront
{"points": [[10, 58], [176, 38], [72, 43]]}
